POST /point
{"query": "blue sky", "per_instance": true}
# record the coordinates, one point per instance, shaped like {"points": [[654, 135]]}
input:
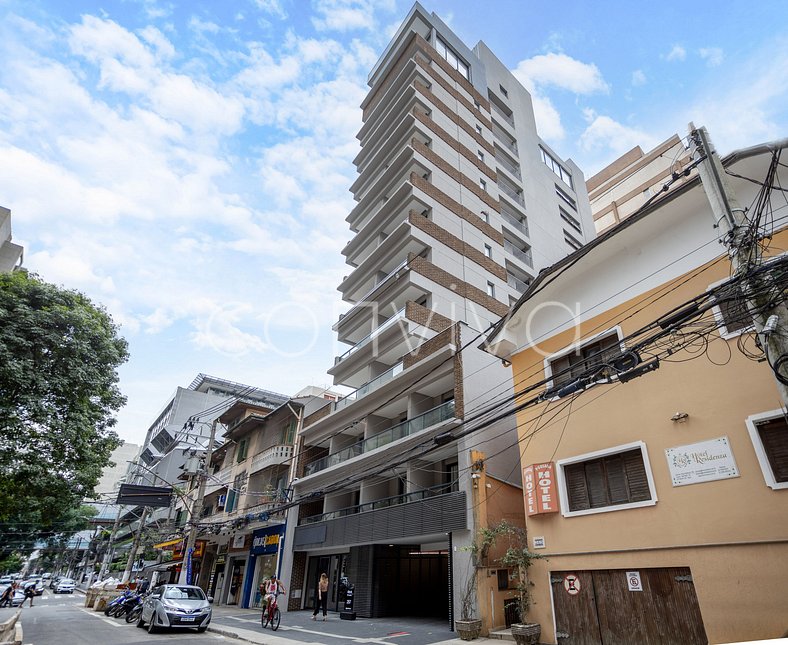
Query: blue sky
{"points": [[187, 164]]}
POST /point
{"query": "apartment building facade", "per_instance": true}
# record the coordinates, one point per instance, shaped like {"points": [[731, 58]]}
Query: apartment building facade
{"points": [[661, 507], [459, 204], [11, 254], [625, 185]]}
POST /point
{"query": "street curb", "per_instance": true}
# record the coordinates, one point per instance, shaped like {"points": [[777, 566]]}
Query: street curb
{"points": [[230, 634]]}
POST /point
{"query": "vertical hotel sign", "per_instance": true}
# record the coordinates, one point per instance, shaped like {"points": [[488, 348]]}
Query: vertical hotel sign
{"points": [[540, 491]]}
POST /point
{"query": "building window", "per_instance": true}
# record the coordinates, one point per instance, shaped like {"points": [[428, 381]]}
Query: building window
{"points": [[478, 129], [565, 197], [491, 290], [235, 493], [288, 432], [483, 185], [488, 251], [571, 220], [609, 480], [485, 216], [503, 91], [477, 105], [503, 579], [243, 448], [769, 435], [481, 155], [583, 359], [553, 164], [730, 310], [572, 241], [453, 59]]}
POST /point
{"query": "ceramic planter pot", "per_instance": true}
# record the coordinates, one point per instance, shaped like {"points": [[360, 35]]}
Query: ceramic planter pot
{"points": [[468, 629], [526, 633]]}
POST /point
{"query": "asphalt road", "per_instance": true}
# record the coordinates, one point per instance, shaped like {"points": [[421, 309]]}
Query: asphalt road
{"points": [[62, 620]]}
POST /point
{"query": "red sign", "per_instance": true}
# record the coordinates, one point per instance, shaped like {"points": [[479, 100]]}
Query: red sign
{"points": [[541, 495]]}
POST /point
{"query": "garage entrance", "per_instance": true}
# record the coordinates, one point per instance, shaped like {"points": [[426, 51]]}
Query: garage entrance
{"points": [[615, 607]]}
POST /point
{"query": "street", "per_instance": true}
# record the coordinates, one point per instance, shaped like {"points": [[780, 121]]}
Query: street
{"points": [[62, 619]]}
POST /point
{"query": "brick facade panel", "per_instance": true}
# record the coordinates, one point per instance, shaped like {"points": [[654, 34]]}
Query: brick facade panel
{"points": [[455, 207], [446, 337], [426, 317], [318, 414], [453, 242], [297, 578], [463, 289]]}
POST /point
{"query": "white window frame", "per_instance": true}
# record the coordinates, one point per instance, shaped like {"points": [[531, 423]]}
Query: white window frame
{"points": [[491, 289], [755, 437], [563, 496], [488, 251], [548, 361], [720, 319]]}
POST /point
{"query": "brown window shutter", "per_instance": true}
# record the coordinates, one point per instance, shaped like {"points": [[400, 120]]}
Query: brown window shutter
{"points": [[576, 487], [774, 437], [637, 479], [616, 479], [597, 483]]}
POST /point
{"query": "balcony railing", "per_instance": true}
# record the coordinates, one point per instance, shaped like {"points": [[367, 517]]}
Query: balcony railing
{"points": [[367, 339], [272, 456], [520, 224], [512, 168], [516, 283], [363, 300], [516, 195], [406, 428], [218, 480], [506, 117], [520, 254], [368, 387], [386, 502]]}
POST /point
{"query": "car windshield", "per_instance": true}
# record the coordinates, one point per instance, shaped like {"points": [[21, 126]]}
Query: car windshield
{"points": [[66, 581], [184, 593]]}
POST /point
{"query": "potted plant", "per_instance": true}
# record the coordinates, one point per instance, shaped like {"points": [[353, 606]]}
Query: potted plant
{"points": [[467, 626], [519, 558]]}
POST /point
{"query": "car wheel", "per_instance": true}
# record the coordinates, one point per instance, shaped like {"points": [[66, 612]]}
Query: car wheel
{"points": [[151, 624], [200, 630], [140, 622]]}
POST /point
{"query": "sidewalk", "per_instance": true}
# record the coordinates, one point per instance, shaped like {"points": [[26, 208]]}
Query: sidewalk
{"points": [[298, 627]]}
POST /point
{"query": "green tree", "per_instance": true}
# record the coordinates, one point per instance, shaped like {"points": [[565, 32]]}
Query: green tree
{"points": [[59, 355]]}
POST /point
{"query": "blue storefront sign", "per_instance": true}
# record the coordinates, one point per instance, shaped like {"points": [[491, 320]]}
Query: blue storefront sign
{"points": [[265, 541]]}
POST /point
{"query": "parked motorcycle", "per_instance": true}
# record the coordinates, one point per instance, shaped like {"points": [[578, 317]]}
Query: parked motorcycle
{"points": [[126, 605], [134, 613], [113, 604]]}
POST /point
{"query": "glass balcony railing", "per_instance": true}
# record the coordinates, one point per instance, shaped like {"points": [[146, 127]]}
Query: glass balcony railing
{"points": [[386, 502], [516, 283], [516, 195], [368, 387], [499, 112], [404, 429], [512, 168], [368, 339], [521, 224], [520, 254], [364, 300]]}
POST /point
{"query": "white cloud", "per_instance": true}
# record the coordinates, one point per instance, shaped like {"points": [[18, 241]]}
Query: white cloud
{"points": [[677, 53], [273, 7], [561, 71], [347, 15], [548, 119], [606, 136], [712, 55], [638, 78]]}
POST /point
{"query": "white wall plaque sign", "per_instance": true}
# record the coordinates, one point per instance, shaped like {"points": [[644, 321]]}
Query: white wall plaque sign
{"points": [[701, 462]]}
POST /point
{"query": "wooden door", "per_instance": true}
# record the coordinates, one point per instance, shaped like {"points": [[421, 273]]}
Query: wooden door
{"points": [[574, 607], [601, 608]]}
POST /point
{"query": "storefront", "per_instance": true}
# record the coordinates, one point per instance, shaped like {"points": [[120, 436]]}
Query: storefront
{"points": [[237, 558], [263, 561], [170, 571]]}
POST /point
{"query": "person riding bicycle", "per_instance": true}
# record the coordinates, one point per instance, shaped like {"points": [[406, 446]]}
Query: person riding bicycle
{"points": [[272, 587]]}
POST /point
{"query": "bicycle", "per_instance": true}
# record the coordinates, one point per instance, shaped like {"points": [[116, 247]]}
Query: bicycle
{"points": [[272, 615]]}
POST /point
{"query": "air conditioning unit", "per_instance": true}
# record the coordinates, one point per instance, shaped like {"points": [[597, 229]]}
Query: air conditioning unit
{"points": [[220, 503]]}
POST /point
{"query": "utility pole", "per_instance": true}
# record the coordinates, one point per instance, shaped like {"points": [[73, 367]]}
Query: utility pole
{"points": [[105, 563], [744, 251], [135, 545], [196, 510]]}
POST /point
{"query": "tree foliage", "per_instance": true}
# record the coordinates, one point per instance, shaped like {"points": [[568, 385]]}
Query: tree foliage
{"points": [[59, 355]]}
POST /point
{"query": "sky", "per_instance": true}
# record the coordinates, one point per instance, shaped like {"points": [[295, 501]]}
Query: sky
{"points": [[187, 164]]}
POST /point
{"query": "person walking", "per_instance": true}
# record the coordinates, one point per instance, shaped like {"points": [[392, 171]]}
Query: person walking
{"points": [[30, 592], [321, 600]]}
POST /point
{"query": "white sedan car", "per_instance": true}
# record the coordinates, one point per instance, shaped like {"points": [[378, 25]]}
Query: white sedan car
{"points": [[65, 585]]}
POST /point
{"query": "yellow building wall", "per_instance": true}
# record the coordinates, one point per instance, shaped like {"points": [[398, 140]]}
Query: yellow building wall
{"points": [[733, 534]]}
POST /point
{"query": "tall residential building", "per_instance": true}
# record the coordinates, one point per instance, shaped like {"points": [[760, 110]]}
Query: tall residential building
{"points": [[10, 253], [459, 205]]}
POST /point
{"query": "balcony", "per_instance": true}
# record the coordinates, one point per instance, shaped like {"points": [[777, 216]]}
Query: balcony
{"points": [[433, 511], [519, 224], [514, 169], [400, 315], [406, 428], [516, 283], [218, 480], [273, 456], [508, 118], [516, 195], [521, 254], [368, 387]]}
